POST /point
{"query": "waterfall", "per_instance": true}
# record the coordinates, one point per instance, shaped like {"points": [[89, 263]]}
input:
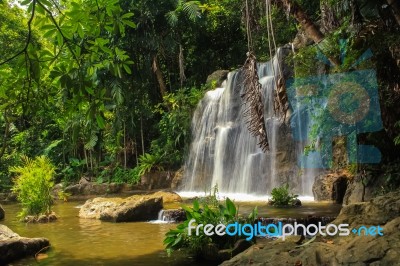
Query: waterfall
{"points": [[224, 153]]}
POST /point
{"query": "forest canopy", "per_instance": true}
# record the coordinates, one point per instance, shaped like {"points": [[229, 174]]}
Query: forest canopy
{"points": [[106, 88]]}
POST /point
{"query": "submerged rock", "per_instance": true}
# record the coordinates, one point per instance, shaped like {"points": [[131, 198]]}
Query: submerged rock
{"points": [[134, 208], [13, 247], [43, 218]]}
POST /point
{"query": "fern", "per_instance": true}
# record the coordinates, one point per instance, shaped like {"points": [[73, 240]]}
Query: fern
{"points": [[33, 185], [92, 141]]}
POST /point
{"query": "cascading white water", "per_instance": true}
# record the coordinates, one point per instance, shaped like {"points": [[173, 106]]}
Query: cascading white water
{"points": [[224, 153]]}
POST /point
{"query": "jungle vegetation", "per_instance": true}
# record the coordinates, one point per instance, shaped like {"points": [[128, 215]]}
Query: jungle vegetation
{"points": [[106, 88]]}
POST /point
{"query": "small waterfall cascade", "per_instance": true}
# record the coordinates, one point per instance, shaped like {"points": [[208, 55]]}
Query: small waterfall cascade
{"points": [[224, 153]]}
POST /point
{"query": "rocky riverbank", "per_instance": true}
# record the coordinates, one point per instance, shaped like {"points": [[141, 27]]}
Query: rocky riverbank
{"points": [[350, 250], [13, 246]]}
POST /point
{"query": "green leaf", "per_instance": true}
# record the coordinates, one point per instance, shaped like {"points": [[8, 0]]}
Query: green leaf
{"points": [[25, 2], [100, 121], [127, 69], [196, 206], [127, 15], [129, 23], [46, 3], [230, 207]]}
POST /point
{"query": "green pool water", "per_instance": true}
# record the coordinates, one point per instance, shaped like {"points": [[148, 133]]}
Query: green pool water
{"points": [[76, 241]]}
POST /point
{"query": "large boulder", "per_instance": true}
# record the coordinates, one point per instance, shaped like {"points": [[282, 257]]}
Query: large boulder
{"points": [[361, 188], [331, 186], [217, 78], [134, 208], [2, 213], [377, 211], [13, 247]]}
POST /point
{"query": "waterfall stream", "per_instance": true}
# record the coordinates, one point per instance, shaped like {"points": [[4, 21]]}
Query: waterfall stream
{"points": [[224, 153]]}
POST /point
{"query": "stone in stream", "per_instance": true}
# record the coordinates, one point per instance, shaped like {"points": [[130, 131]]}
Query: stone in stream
{"points": [[13, 247], [134, 208]]}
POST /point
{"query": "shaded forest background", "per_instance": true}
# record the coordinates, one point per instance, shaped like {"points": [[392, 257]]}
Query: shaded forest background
{"points": [[106, 89]]}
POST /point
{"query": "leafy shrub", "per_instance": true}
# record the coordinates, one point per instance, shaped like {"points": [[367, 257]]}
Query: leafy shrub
{"points": [[33, 185], [282, 197], [73, 171], [148, 162], [119, 175], [204, 213]]}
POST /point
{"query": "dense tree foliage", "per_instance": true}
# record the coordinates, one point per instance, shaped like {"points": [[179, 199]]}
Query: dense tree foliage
{"points": [[106, 88]]}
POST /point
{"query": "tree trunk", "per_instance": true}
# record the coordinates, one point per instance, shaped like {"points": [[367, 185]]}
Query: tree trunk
{"points": [[6, 132], [159, 76], [141, 133], [306, 23], [124, 145], [395, 9]]}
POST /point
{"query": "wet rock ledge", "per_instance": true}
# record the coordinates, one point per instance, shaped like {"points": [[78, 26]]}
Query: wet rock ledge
{"points": [[13, 246]]}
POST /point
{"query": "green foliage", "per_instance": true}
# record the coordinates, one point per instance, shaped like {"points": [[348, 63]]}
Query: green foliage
{"points": [[148, 162], [282, 197], [176, 112], [204, 213], [119, 175], [33, 183]]}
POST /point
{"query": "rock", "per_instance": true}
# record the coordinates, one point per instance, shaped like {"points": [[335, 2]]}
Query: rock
{"points": [[2, 213], [157, 180], [377, 211], [301, 40], [168, 197], [134, 208], [41, 218], [338, 250], [296, 203], [217, 77], [331, 186], [173, 215], [13, 247], [177, 180], [356, 192], [211, 253]]}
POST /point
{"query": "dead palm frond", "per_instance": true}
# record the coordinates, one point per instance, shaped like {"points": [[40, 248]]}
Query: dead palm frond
{"points": [[254, 107]]}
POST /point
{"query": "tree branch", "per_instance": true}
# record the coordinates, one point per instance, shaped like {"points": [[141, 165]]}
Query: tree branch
{"points": [[7, 130], [306, 23], [66, 40], [28, 39]]}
